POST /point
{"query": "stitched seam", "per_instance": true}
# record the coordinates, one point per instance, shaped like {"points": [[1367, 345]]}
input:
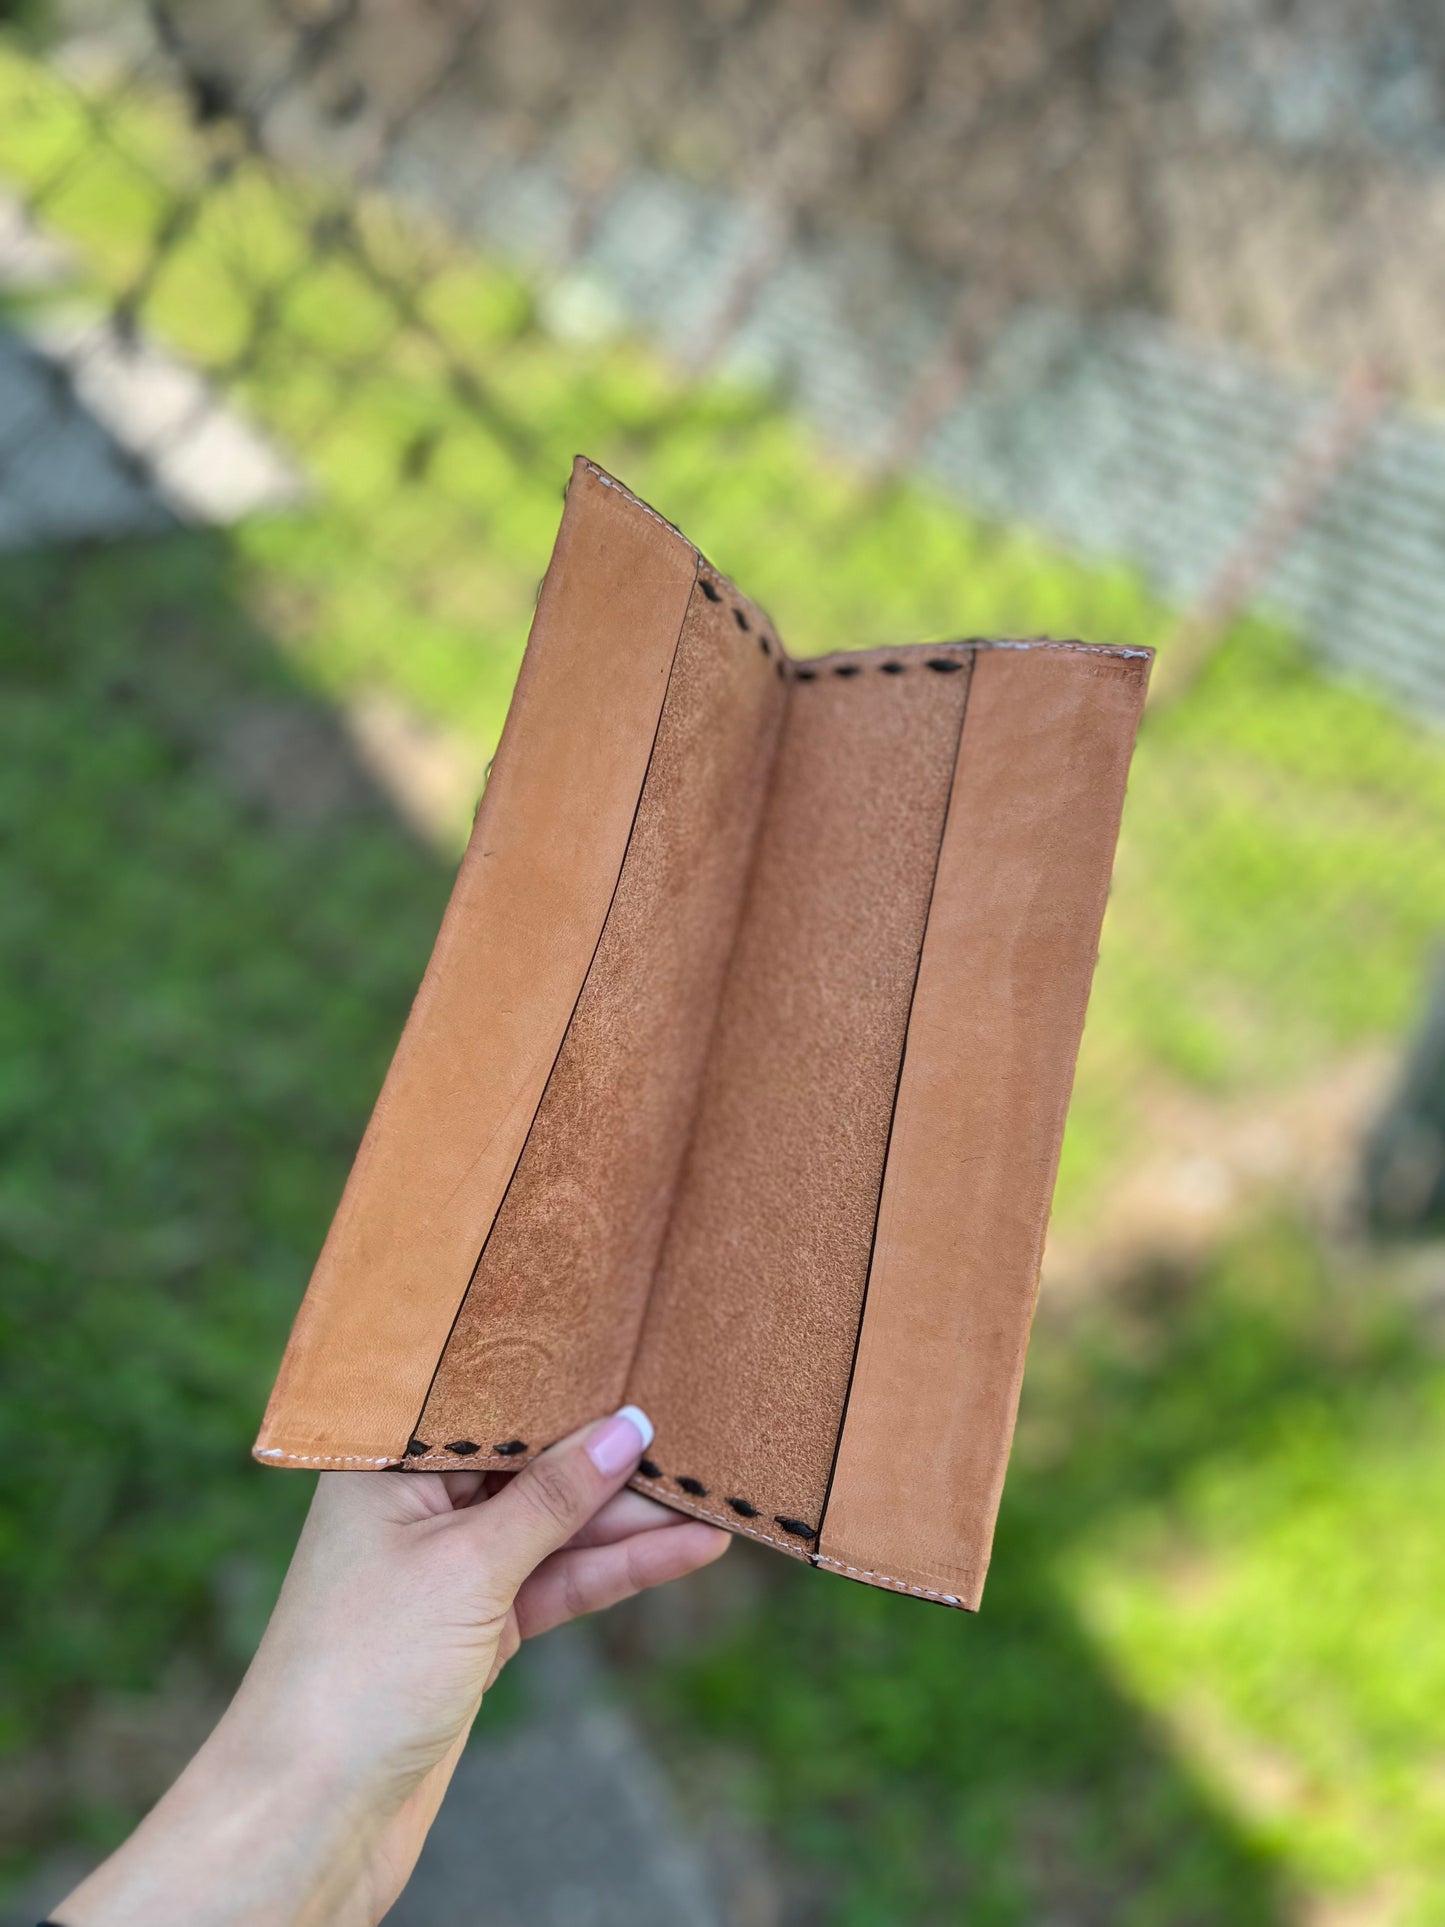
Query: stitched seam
{"points": [[830, 665], [465, 1462], [511, 1462], [978, 642], [885, 1579], [494, 1461], [1047, 642], [320, 1458], [610, 481], [649, 1485], [705, 567], [730, 1520]]}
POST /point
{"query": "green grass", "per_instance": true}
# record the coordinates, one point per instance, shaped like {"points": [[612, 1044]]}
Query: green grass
{"points": [[211, 972], [1205, 1684], [203, 996], [1269, 811]]}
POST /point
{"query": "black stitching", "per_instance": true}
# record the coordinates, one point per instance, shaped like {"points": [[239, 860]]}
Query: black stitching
{"points": [[648, 1469], [695, 1487], [806, 675], [945, 665], [415, 1449], [740, 619], [795, 1526], [845, 669], [463, 1448], [708, 590], [509, 1448], [892, 668], [742, 1508]]}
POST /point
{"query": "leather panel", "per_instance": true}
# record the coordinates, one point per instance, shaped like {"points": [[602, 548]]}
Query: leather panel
{"points": [[992, 1042], [548, 1328], [750, 1329], [514, 949]]}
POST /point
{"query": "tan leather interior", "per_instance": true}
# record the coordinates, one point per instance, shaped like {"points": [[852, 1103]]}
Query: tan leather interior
{"points": [[736, 1083], [510, 961], [994, 1032]]}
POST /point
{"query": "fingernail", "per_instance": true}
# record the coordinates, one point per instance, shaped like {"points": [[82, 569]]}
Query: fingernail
{"points": [[620, 1441]]}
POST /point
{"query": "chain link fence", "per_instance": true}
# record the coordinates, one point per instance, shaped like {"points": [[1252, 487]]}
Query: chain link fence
{"points": [[1119, 319]]}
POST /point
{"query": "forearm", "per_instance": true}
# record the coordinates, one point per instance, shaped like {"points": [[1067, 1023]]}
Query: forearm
{"points": [[308, 1805], [258, 1831]]}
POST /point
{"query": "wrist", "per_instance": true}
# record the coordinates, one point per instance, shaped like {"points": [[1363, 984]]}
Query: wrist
{"points": [[255, 1831]]}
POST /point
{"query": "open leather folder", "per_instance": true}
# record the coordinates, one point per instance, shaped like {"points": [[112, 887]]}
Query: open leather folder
{"points": [[735, 1085]]}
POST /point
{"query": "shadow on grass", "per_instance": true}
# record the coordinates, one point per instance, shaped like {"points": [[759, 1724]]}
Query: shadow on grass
{"points": [[213, 924], [992, 1770]]}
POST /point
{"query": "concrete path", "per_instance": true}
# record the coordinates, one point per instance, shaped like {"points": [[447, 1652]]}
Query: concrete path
{"points": [[563, 1820]]}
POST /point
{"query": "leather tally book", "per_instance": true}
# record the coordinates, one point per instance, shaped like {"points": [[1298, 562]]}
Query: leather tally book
{"points": [[735, 1085]]}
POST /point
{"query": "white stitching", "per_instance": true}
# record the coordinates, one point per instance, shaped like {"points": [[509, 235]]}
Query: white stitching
{"points": [[318, 1458], [1047, 642], [884, 1579], [705, 567], [469, 1461], [609, 481], [914, 649]]}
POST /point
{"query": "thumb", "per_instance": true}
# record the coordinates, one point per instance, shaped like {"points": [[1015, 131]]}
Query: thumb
{"points": [[554, 1497]]}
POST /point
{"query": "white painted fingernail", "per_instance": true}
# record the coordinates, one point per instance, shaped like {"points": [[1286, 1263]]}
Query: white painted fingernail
{"points": [[640, 1420], [615, 1445]]}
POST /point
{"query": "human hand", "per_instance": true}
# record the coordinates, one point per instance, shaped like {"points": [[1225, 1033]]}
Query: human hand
{"points": [[405, 1598]]}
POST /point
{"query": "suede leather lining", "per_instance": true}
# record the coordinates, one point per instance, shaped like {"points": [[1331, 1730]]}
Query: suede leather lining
{"points": [[753, 1315], [550, 1322]]}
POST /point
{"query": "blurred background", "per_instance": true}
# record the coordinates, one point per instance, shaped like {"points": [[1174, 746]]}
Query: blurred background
{"points": [[1106, 318]]}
